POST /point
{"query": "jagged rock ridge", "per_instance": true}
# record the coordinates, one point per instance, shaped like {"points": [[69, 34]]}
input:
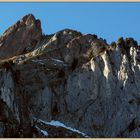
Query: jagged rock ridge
{"points": [[79, 80]]}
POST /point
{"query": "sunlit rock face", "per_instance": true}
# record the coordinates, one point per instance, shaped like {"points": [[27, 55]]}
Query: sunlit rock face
{"points": [[21, 37], [88, 87]]}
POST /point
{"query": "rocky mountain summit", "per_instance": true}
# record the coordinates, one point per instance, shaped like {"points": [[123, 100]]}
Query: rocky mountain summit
{"points": [[67, 84]]}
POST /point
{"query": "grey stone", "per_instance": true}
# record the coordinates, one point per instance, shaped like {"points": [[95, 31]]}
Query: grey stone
{"points": [[76, 79]]}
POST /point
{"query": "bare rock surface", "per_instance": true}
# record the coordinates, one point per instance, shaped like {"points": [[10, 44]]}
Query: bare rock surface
{"points": [[91, 87], [21, 37]]}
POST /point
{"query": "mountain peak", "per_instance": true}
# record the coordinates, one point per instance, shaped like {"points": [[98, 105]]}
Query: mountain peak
{"points": [[67, 84], [20, 37]]}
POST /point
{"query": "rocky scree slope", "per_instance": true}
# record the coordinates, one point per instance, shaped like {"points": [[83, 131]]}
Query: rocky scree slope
{"points": [[67, 84]]}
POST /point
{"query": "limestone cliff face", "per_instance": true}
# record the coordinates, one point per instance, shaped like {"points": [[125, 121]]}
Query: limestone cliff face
{"points": [[67, 84]]}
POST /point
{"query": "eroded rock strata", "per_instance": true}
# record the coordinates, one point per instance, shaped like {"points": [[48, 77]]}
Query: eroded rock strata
{"points": [[67, 84]]}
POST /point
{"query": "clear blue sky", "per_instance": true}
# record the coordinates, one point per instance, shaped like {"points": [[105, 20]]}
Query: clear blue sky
{"points": [[107, 20]]}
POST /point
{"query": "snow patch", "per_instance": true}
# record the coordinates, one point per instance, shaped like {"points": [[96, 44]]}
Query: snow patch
{"points": [[60, 124], [45, 133]]}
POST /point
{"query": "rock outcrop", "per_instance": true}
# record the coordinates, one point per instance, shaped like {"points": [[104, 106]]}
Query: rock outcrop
{"points": [[67, 84], [21, 37]]}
